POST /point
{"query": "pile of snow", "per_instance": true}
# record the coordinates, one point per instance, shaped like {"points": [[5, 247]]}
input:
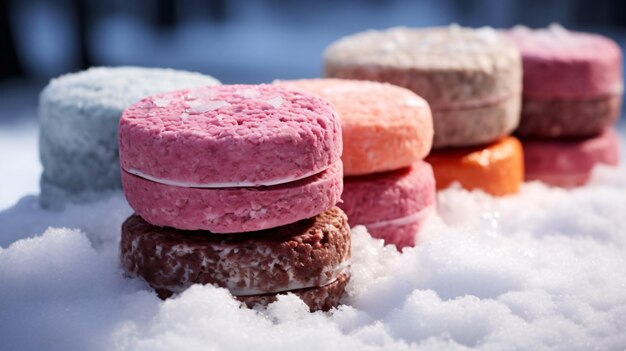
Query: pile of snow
{"points": [[541, 269]]}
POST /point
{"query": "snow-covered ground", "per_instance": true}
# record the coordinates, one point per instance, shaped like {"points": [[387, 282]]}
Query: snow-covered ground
{"points": [[19, 158], [542, 269]]}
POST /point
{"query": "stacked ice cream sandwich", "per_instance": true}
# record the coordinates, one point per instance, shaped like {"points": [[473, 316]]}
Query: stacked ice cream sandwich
{"points": [[472, 80], [236, 186], [572, 94], [387, 132]]}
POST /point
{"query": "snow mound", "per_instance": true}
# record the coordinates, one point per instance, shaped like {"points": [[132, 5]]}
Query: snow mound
{"points": [[542, 269]]}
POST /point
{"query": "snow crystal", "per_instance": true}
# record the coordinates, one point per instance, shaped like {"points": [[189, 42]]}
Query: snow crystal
{"points": [[161, 101], [454, 28], [487, 34], [414, 102], [207, 106], [248, 93], [275, 102], [557, 30]]}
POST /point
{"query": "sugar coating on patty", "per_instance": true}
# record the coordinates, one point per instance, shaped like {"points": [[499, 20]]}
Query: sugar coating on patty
{"points": [[563, 64], [310, 253], [424, 48], [569, 162], [497, 168], [245, 134], [384, 127], [450, 67], [78, 117], [237, 209], [388, 196]]}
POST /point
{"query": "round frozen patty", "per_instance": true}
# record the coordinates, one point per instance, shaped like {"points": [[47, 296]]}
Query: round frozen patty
{"points": [[233, 210], [564, 64], [471, 78], [569, 163], [78, 118], [385, 127], [497, 168], [310, 257], [567, 118], [392, 205], [229, 136], [231, 158], [573, 82]]}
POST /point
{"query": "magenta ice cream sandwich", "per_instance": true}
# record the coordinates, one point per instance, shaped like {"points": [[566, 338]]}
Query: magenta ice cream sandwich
{"points": [[309, 258], [230, 159]]}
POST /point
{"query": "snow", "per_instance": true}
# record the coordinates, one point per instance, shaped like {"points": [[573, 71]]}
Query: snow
{"points": [[543, 269]]}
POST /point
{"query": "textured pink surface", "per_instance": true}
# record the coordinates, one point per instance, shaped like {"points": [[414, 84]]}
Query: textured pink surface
{"points": [[232, 210], [569, 163], [230, 133], [561, 64], [399, 235], [388, 196]]}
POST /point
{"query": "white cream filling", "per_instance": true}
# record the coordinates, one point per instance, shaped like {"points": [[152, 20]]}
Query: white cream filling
{"points": [[325, 279], [294, 284], [412, 218], [218, 185]]}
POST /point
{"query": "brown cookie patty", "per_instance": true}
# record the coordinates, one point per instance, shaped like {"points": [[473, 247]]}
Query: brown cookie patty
{"points": [[300, 257]]}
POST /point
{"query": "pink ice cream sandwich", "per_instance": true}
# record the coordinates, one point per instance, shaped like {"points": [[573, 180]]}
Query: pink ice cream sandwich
{"points": [[230, 159], [387, 131], [392, 205], [569, 163], [572, 83]]}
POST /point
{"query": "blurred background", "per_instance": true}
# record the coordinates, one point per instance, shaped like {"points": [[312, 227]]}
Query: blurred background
{"points": [[245, 41], [236, 41]]}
